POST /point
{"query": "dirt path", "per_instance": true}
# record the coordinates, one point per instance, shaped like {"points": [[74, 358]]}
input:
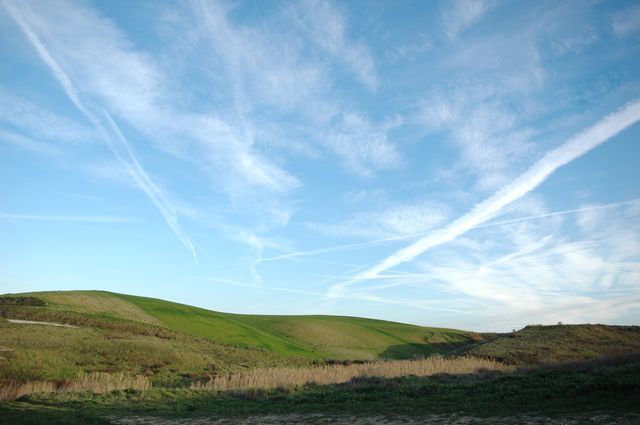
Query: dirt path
{"points": [[321, 419], [32, 322]]}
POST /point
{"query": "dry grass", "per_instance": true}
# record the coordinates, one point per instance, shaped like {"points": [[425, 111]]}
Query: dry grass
{"points": [[337, 373], [98, 382]]}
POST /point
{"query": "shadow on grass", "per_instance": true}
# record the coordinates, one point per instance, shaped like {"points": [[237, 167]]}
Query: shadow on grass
{"points": [[606, 385]]}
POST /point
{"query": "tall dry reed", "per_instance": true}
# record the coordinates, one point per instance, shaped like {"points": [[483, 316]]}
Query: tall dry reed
{"points": [[98, 382], [336, 374]]}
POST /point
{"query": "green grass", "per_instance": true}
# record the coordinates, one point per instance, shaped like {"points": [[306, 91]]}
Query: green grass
{"points": [[310, 336], [317, 337], [612, 387], [175, 343], [560, 343]]}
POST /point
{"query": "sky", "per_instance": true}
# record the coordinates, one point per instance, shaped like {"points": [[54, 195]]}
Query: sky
{"points": [[472, 164]]}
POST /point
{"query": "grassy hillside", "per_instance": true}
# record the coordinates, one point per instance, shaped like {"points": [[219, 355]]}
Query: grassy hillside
{"points": [[311, 336], [173, 343], [561, 343]]}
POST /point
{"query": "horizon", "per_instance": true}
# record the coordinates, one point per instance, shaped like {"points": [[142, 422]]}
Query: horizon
{"points": [[469, 164]]}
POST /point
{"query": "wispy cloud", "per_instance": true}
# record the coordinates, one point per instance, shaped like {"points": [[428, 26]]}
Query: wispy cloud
{"points": [[27, 143], [327, 28], [461, 14], [399, 220], [117, 144], [542, 276], [362, 145], [40, 124], [386, 240], [529, 180], [71, 218], [627, 21]]}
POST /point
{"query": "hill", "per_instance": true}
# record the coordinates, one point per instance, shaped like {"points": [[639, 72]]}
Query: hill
{"points": [[539, 344], [171, 342]]}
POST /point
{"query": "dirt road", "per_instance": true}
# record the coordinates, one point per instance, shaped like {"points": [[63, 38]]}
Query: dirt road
{"points": [[321, 419]]}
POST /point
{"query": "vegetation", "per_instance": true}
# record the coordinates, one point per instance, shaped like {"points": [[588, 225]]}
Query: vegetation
{"points": [[591, 388], [174, 344], [98, 383], [131, 355], [32, 301], [318, 337], [340, 373], [560, 343]]}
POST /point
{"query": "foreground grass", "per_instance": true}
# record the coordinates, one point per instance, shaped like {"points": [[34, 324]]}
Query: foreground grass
{"points": [[341, 373], [596, 387]]}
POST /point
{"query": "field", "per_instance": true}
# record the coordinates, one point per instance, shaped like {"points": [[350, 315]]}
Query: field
{"points": [[125, 359], [174, 343], [606, 390]]}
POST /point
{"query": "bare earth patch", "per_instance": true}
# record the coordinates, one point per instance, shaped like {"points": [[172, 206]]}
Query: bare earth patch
{"points": [[33, 322], [454, 419]]}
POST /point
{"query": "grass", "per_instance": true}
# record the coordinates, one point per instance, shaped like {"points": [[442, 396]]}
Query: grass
{"points": [[341, 373], [174, 346], [313, 337], [316, 337], [593, 387], [560, 343], [98, 383], [37, 352]]}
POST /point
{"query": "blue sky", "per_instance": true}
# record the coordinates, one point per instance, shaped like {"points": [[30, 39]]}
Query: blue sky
{"points": [[470, 164]]}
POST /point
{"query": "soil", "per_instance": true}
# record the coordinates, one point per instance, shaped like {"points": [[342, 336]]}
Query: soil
{"points": [[321, 419]]}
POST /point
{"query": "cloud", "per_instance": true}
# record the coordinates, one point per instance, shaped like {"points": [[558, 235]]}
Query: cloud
{"points": [[390, 239], [27, 143], [399, 220], [572, 149], [513, 273], [118, 144], [490, 137], [462, 14], [326, 27], [543, 273], [41, 124], [362, 145], [626, 21], [70, 218]]}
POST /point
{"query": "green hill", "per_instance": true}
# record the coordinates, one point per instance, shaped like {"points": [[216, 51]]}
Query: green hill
{"points": [[171, 341]]}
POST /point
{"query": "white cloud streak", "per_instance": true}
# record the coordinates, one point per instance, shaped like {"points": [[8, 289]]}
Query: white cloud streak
{"points": [[70, 218], [526, 182], [327, 28], [462, 14], [382, 241], [120, 144]]}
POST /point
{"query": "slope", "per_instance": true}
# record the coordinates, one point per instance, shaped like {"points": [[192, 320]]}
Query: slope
{"points": [[538, 344], [173, 342]]}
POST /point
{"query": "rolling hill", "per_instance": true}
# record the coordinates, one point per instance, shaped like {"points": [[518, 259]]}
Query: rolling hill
{"points": [[537, 344], [170, 341]]}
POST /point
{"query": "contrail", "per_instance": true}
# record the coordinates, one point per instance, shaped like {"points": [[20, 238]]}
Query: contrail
{"points": [[75, 218], [128, 160], [381, 241], [526, 182]]}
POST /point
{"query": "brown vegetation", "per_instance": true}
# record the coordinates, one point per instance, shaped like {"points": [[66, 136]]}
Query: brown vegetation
{"points": [[340, 373], [98, 382], [24, 301]]}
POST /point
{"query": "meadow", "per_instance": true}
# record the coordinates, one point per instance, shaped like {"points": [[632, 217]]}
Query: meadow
{"points": [[128, 356]]}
